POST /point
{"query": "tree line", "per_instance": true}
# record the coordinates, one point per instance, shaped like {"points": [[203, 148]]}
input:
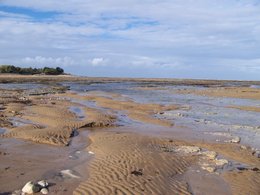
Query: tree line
{"points": [[30, 71]]}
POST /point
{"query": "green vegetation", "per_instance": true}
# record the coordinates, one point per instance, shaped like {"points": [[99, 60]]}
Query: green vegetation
{"points": [[30, 71]]}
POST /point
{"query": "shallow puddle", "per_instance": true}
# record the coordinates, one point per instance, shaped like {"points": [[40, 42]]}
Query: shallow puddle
{"points": [[31, 162], [78, 111], [2, 131]]}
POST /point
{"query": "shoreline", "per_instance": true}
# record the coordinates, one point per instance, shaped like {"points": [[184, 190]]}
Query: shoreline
{"points": [[12, 78], [156, 155]]}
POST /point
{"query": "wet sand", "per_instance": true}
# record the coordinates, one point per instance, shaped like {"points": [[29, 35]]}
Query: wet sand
{"points": [[231, 92], [107, 156], [246, 108]]}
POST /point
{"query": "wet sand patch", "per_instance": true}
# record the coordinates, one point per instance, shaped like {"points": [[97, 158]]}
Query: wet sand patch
{"points": [[229, 92], [246, 108], [136, 111]]}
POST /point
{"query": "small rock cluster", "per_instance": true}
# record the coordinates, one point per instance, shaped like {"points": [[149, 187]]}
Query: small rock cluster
{"points": [[31, 188], [182, 149], [235, 140], [210, 162], [231, 138], [208, 159], [256, 153]]}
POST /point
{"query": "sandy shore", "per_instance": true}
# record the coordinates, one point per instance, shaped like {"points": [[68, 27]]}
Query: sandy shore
{"points": [[82, 133], [231, 92]]}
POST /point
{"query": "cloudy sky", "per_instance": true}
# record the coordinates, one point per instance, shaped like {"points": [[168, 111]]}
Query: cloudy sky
{"points": [[216, 39]]}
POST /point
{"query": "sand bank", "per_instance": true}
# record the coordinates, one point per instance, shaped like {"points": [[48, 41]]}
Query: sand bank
{"points": [[231, 92]]}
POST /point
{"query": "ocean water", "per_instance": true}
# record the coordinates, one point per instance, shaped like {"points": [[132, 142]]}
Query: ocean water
{"points": [[199, 113]]}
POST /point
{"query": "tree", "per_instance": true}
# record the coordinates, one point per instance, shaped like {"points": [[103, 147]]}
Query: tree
{"points": [[59, 70], [30, 71]]}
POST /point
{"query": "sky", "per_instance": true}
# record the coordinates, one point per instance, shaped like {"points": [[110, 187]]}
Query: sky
{"points": [[201, 39]]}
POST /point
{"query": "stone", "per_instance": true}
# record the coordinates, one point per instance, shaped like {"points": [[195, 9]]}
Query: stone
{"points": [[187, 149], [243, 147], [256, 153], [210, 154], [235, 140], [30, 188], [44, 191], [209, 169], [221, 162], [90, 152], [137, 172], [180, 114], [43, 183]]}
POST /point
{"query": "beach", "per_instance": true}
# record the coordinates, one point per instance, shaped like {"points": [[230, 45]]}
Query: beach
{"points": [[129, 136]]}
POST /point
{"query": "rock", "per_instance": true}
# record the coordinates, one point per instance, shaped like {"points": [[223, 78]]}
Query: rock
{"points": [[242, 168], [235, 140], [243, 147], [209, 169], [90, 152], [180, 114], [137, 172], [43, 183], [210, 154], [44, 191], [256, 153], [221, 162], [255, 169], [30, 188], [187, 149]]}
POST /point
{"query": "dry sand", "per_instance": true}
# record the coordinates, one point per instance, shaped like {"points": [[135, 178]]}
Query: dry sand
{"points": [[162, 171], [118, 155]]}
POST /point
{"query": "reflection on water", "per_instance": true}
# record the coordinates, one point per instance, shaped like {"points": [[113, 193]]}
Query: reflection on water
{"points": [[255, 86], [78, 111], [2, 130]]}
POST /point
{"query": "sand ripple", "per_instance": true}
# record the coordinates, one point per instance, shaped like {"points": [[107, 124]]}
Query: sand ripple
{"points": [[117, 156]]}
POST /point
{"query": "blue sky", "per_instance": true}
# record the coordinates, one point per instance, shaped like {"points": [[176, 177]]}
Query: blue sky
{"points": [[210, 39]]}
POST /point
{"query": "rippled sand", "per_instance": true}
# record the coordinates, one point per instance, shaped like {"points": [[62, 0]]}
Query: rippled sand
{"points": [[120, 160]]}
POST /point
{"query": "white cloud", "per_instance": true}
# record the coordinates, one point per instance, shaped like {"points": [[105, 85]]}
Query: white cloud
{"points": [[98, 62], [48, 61], [167, 35]]}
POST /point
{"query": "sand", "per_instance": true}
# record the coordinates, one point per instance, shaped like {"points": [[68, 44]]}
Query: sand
{"points": [[112, 170], [247, 108], [50, 120], [106, 157], [136, 111], [231, 92], [163, 172]]}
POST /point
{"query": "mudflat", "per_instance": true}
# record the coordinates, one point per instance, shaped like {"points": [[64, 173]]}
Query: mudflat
{"points": [[129, 136]]}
